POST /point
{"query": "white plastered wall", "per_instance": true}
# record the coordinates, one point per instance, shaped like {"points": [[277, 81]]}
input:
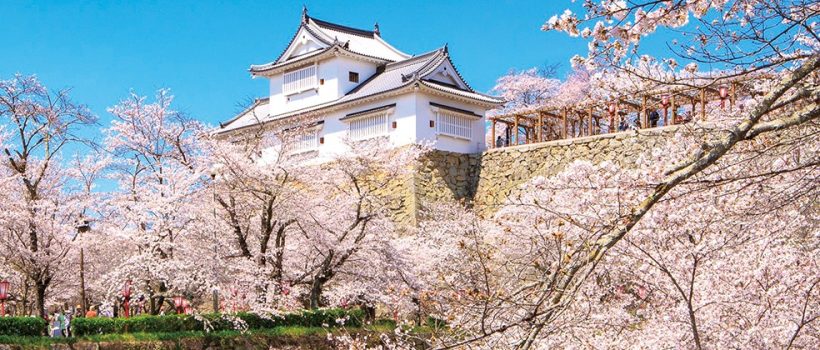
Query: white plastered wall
{"points": [[443, 142]]}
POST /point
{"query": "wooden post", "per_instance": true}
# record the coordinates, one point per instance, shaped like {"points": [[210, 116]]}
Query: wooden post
{"points": [[611, 120], [694, 108], [644, 117], [564, 122], [674, 109], [508, 134], [732, 96], [591, 132], [492, 133], [515, 130], [83, 299], [702, 104], [540, 133]]}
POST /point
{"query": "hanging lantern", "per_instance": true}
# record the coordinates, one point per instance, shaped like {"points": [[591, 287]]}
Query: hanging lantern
{"points": [[4, 290], [126, 289], [665, 100], [178, 301], [4, 294], [723, 91], [612, 107], [126, 295]]}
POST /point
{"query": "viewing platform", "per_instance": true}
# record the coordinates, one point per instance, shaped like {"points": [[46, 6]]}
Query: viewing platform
{"points": [[666, 105]]}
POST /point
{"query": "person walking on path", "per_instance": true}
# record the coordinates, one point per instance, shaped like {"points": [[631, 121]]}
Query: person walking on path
{"points": [[91, 313], [57, 325], [67, 323], [654, 117]]}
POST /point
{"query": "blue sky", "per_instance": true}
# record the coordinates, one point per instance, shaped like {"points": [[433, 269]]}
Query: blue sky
{"points": [[201, 49]]}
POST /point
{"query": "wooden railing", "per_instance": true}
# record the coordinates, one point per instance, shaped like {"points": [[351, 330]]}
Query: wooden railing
{"points": [[671, 106]]}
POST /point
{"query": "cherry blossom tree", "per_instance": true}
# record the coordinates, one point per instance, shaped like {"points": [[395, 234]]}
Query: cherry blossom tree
{"points": [[728, 259], [597, 241], [527, 89], [155, 215], [349, 249], [533, 89], [40, 209], [305, 234], [254, 195]]}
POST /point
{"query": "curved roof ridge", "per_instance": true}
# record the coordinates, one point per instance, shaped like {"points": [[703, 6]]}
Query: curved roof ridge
{"points": [[450, 59], [378, 38], [430, 66], [342, 28], [411, 60]]}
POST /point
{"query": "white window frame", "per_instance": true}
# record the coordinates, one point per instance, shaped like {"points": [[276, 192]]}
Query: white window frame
{"points": [[372, 125], [454, 124], [304, 141], [300, 80]]}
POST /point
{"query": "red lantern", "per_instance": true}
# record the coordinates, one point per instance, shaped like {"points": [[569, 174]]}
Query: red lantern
{"points": [[126, 289], [665, 100], [612, 108], [189, 310], [4, 295], [4, 290], [178, 303], [723, 93], [126, 295]]}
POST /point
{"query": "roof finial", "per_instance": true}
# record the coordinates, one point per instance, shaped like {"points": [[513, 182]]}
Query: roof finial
{"points": [[446, 50], [304, 14], [376, 29]]}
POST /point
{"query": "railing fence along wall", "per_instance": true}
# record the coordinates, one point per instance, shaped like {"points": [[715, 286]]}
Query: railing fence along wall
{"points": [[300, 80], [659, 107]]}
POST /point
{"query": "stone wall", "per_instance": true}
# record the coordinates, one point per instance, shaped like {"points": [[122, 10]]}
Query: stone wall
{"points": [[488, 179]]}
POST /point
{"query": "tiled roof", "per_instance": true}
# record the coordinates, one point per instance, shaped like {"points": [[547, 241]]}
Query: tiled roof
{"points": [[259, 68], [254, 114], [460, 92], [455, 109], [368, 111], [343, 29], [390, 77], [362, 42]]}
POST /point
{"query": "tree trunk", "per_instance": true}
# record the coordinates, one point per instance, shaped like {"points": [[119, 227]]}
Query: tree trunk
{"points": [[41, 287], [324, 274], [316, 292], [157, 308]]}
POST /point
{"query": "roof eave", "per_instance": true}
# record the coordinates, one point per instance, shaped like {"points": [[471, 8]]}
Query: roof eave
{"points": [[335, 50], [326, 109], [481, 100]]}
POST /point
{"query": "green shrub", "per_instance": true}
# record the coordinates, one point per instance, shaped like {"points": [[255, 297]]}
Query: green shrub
{"points": [[181, 323], [23, 326], [434, 322], [385, 322]]}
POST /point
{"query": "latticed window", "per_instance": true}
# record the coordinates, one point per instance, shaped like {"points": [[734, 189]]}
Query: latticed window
{"points": [[454, 124], [300, 80], [304, 142], [369, 126]]}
